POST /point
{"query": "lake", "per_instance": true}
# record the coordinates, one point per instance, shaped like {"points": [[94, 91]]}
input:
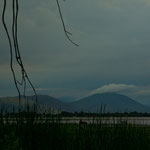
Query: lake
{"points": [[107, 120]]}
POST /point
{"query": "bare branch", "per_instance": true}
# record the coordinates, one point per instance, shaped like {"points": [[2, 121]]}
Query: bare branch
{"points": [[64, 27], [25, 78], [13, 44]]}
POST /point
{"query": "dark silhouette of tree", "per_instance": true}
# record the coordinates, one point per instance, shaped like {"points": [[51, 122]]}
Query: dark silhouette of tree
{"points": [[14, 47]]}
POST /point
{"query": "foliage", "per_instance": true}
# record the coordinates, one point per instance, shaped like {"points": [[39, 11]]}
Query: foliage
{"points": [[30, 130]]}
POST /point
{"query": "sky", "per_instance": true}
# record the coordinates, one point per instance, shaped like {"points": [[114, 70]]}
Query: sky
{"points": [[113, 53]]}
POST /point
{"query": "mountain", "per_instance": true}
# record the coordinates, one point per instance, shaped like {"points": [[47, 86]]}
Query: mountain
{"points": [[114, 103], [11, 102], [67, 99], [43, 100], [53, 102]]}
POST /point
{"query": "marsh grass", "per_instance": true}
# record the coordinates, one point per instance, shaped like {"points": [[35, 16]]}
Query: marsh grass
{"points": [[29, 130]]}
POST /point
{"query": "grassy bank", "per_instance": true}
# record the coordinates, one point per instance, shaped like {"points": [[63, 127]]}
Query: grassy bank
{"points": [[28, 131]]}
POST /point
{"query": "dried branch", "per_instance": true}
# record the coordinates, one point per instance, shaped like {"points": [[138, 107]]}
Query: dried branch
{"points": [[14, 42], [64, 27]]}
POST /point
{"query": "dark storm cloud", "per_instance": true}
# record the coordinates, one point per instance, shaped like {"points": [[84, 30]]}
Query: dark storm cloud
{"points": [[113, 37]]}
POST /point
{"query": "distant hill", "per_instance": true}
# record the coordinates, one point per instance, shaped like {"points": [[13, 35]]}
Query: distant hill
{"points": [[11, 102], [114, 103], [53, 102], [43, 100], [67, 99]]}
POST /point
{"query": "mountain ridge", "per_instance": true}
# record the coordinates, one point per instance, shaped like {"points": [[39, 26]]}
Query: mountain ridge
{"points": [[114, 103]]}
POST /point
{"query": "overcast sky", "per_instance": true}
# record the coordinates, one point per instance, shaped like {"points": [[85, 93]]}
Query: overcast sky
{"points": [[114, 47]]}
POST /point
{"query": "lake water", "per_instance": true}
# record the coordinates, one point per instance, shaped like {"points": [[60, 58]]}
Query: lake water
{"points": [[108, 120], [93, 120]]}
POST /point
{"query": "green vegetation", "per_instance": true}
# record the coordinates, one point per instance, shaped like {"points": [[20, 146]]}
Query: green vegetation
{"points": [[28, 130]]}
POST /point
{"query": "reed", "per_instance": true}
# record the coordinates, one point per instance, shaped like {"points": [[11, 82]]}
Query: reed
{"points": [[29, 130]]}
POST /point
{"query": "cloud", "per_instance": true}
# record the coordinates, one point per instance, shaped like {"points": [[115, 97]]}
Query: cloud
{"points": [[113, 38], [144, 91], [60, 92], [118, 4], [126, 89], [110, 5], [113, 88]]}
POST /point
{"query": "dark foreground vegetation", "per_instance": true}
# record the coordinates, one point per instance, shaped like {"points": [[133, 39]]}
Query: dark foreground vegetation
{"points": [[27, 130]]}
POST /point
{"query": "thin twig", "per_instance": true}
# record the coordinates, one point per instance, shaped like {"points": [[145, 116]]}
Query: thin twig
{"points": [[15, 7], [11, 50], [63, 23]]}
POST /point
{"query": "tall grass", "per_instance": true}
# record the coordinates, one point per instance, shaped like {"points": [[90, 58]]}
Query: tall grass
{"points": [[29, 130]]}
